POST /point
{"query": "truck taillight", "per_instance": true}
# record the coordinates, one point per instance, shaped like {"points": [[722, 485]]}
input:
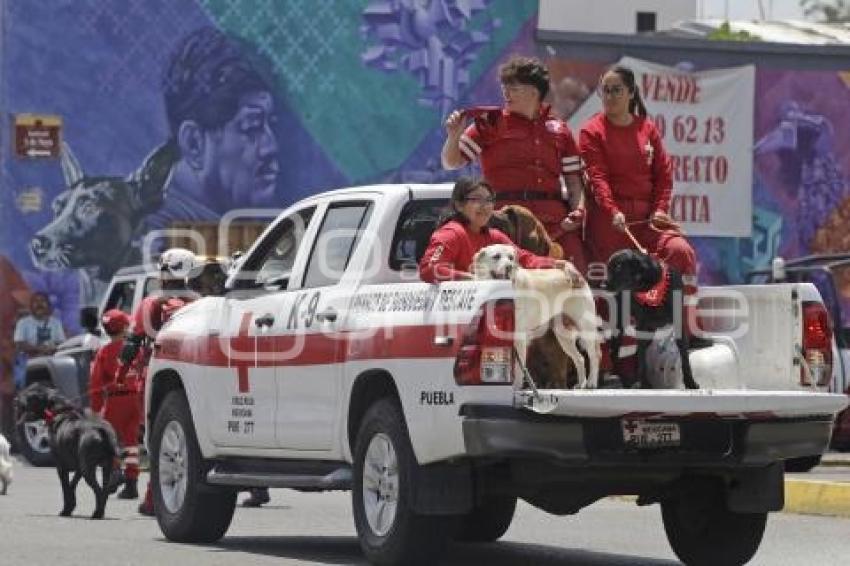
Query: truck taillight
{"points": [[817, 345], [486, 355]]}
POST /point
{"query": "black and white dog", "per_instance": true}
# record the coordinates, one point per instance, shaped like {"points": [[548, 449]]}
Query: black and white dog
{"points": [[97, 218], [79, 443], [5, 465], [649, 290]]}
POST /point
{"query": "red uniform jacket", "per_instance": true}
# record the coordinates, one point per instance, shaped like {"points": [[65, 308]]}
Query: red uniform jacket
{"points": [[521, 154], [103, 373], [452, 247], [628, 168]]}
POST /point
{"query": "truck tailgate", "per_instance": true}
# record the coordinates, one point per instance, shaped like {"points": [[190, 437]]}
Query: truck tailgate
{"points": [[601, 403]]}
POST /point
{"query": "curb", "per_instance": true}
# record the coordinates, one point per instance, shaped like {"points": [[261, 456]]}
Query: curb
{"points": [[813, 497], [835, 463]]}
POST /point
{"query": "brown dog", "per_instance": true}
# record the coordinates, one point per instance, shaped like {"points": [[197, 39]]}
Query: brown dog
{"points": [[547, 363], [526, 230]]}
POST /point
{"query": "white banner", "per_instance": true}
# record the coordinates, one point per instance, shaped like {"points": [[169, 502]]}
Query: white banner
{"points": [[706, 121]]}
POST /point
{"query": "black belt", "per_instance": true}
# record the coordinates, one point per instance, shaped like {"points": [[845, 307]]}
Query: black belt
{"points": [[121, 393], [526, 195]]}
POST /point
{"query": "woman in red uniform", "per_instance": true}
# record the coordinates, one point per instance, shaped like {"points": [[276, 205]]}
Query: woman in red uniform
{"points": [[526, 153], [457, 239], [630, 179], [120, 403]]}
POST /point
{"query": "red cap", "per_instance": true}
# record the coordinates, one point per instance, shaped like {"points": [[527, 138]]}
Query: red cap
{"points": [[115, 321]]}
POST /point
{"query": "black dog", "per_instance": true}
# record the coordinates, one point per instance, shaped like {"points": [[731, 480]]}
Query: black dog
{"points": [[97, 219], [631, 274], [79, 443]]}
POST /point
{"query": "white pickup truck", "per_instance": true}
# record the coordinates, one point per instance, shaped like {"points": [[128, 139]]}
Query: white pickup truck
{"points": [[330, 366]]}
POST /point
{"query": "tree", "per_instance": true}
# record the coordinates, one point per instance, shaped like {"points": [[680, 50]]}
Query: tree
{"points": [[725, 33], [833, 11]]}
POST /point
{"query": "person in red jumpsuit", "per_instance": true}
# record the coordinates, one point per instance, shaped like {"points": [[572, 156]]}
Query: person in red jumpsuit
{"points": [[119, 402], [527, 154], [175, 266], [631, 183], [462, 233]]}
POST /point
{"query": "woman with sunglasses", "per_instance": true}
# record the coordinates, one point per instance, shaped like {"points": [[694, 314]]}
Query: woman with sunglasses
{"points": [[464, 231], [526, 153], [630, 179]]}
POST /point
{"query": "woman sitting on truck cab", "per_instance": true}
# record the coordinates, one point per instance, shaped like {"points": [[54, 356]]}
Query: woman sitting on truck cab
{"points": [[464, 231]]}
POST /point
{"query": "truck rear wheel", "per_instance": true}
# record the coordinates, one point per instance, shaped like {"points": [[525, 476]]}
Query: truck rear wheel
{"points": [[186, 509], [488, 520], [390, 531], [703, 531]]}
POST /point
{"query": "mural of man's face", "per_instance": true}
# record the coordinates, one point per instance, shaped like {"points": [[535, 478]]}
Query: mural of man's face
{"points": [[242, 157]]}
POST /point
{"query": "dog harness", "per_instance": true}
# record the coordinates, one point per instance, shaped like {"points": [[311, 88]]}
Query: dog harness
{"points": [[656, 296]]}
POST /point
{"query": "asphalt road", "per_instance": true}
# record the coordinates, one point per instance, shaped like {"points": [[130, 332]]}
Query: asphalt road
{"points": [[304, 529]]}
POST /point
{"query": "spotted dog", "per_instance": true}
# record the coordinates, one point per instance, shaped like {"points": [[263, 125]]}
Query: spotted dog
{"points": [[556, 300], [5, 465]]}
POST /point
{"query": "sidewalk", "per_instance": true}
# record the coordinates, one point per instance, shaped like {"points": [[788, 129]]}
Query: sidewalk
{"points": [[823, 491]]}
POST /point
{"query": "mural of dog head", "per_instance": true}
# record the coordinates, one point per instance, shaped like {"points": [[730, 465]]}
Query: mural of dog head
{"points": [[96, 218], [498, 261], [525, 230], [631, 270]]}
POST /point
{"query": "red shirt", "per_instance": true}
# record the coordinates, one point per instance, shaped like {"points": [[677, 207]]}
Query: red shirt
{"points": [[628, 168], [103, 372], [154, 311], [453, 246], [521, 154]]}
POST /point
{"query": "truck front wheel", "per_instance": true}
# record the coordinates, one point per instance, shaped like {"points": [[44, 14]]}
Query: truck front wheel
{"points": [[703, 531], [390, 531], [186, 509], [33, 443]]}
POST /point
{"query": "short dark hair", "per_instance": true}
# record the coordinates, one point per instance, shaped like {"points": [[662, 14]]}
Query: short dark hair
{"points": [[526, 70], [206, 75]]}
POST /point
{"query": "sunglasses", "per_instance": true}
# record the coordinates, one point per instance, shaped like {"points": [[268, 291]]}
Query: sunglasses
{"points": [[616, 90], [481, 201]]}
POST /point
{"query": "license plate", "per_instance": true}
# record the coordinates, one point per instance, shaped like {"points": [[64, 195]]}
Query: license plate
{"points": [[644, 434]]}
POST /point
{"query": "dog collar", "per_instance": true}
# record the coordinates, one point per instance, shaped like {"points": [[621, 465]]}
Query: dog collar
{"points": [[49, 416], [655, 296]]}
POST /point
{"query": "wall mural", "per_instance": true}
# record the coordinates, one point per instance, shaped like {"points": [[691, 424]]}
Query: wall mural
{"points": [[182, 110]]}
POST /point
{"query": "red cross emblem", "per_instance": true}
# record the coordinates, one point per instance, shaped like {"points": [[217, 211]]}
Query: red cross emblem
{"points": [[239, 362]]}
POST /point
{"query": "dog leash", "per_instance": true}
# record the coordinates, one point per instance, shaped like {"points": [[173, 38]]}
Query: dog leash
{"points": [[526, 376], [636, 244]]}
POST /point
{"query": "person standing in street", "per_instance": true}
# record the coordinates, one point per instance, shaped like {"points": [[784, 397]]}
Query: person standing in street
{"points": [[527, 154], [175, 264], [118, 399], [38, 333]]}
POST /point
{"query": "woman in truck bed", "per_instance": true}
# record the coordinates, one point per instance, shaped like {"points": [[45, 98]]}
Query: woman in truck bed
{"points": [[464, 231]]}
